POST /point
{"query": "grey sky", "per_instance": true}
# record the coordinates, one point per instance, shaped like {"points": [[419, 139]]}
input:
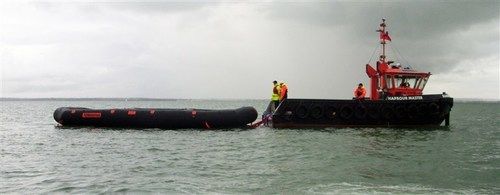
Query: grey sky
{"points": [[235, 50]]}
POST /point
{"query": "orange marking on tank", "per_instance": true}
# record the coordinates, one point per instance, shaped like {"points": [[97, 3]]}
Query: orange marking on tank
{"points": [[91, 115], [131, 112]]}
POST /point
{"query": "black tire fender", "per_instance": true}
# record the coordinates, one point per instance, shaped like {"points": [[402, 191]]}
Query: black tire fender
{"points": [[315, 111], [400, 111], [301, 112], [412, 110], [433, 108], [346, 112], [331, 112], [423, 109], [360, 112], [388, 112], [373, 112]]}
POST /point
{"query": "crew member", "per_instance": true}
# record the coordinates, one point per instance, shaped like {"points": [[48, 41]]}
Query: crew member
{"points": [[283, 91], [275, 98], [404, 85], [360, 92]]}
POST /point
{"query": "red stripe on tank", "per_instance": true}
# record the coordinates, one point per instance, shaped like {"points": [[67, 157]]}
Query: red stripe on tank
{"points": [[91, 115]]}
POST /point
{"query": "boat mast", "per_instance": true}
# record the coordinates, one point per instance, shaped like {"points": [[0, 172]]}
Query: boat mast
{"points": [[376, 79], [383, 37]]}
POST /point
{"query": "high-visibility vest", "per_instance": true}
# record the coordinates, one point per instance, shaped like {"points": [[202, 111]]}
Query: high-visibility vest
{"points": [[276, 93]]}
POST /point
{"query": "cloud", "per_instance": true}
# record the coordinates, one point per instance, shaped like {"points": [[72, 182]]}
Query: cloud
{"points": [[424, 30], [235, 50]]}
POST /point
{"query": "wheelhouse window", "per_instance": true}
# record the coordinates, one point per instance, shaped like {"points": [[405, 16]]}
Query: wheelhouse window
{"points": [[403, 81], [423, 82], [389, 81]]}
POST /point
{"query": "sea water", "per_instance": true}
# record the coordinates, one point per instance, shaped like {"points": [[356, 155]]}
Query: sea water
{"points": [[37, 156]]}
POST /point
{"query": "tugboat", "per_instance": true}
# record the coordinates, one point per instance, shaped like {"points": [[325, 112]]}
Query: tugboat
{"points": [[396, 100]]}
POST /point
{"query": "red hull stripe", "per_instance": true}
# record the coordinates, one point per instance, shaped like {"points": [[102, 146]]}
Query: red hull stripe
{"points": [[91, 115]]}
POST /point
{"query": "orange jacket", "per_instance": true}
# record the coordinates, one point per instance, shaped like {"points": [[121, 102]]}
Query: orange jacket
{"points": [[284, 91], [359, 93]]}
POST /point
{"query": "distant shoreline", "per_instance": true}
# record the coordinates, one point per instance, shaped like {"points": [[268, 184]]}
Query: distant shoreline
{"points": [[180, 99]]}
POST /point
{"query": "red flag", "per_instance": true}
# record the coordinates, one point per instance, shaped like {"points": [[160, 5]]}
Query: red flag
{"points": [[385, 36]]}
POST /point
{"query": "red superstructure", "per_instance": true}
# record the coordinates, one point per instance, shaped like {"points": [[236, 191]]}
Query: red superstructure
{"points": [[389, 79], [396, 100]]}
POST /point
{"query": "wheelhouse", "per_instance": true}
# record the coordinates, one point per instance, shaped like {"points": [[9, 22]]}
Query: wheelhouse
{"points": [[390, 79], [403, 82]]}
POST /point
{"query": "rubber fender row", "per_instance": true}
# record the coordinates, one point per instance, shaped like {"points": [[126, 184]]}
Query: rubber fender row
{"points": [[317, 111], [314, 111], [410, 110], [402, 111], [374, 111]]}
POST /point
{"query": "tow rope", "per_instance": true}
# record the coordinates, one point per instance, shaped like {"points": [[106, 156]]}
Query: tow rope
{"points": [[265, 120], [266, 117]]}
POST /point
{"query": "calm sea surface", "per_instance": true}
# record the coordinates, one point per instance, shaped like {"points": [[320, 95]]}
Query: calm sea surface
{"points": [[36, 156]]}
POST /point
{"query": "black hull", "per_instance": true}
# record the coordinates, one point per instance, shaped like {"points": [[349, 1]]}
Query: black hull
{"points": [[156, 118], [429, 110]]}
